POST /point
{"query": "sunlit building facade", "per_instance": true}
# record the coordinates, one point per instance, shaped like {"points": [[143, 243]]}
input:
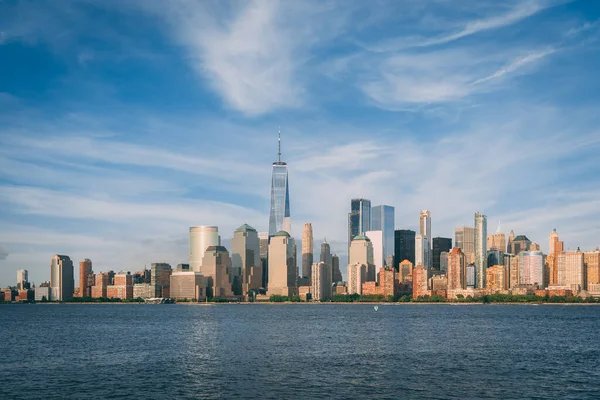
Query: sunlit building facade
{"points": [[480, 250]]}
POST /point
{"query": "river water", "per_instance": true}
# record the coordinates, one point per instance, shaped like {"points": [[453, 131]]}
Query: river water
{"points": [[294, 351]]}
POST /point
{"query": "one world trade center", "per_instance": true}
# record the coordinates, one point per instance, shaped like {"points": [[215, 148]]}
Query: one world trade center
{"points": [[279, 218]]}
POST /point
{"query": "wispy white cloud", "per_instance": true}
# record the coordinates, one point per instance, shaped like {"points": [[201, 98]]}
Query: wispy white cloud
{"points": [[515, 65], [495, 18], [522, 10], [404, 80]]}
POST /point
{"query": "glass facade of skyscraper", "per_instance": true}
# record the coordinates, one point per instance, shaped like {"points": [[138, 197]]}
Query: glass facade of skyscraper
{"points": [[495, 257], [279, 218], [404, 246], [359, 218], [440, 244], [382, 219]]}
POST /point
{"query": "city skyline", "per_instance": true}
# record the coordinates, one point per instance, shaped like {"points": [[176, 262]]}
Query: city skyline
{"points": [[97, 163]]}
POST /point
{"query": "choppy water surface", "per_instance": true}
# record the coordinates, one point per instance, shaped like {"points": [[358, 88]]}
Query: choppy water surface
{"points": [[299, 351]]}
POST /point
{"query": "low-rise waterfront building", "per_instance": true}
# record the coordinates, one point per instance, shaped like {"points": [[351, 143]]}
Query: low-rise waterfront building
{"points": [[188, 285]]}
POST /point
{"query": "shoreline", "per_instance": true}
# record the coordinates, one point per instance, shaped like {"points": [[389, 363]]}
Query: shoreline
{"points": [[321, 304]]}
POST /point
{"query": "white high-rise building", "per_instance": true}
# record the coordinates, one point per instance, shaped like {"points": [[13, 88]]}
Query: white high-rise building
{"points": [[425, 231], [531, 271], [62, 281], [22, 278], [480, 250], [201, 237], [378, 250], [421, 251]]}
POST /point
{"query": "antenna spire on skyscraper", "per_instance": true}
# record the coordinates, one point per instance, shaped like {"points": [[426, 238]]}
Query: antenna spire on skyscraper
{"points": [[498, 230], [279, 144]]}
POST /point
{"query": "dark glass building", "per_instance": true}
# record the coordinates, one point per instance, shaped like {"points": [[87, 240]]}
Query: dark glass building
{"points": [[440, 244], [325, 253], [495, 257], [404, 246]]}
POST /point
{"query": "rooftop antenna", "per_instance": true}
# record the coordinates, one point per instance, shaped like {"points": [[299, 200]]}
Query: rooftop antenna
{"points": [[279, 143], [498, 230]]}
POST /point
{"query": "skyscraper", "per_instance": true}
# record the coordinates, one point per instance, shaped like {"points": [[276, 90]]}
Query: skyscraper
{"points": [[519, 244], [425, 231], [359, 218], [440, 244], [376, 238], [245, 259], [531, 268], [511, 237], [571, 270], [335, 269], [22, 279], [591, 260], [201, 237], [357, 275], [160, 275], [282, 265], [307, 250], [279, 217], [425, 223], [382, 219], [216, 268], [361, 252], [420, 279], [404, 246], [495, 257], [457, 269], [421, 253], [497, 241], [496, 278], [555, 246], [263, 237], [480, 253], [325, 253], [62, 283], [471, 276], [553, 238], [85, 270], [511, 261], [321, 281], [444, 262], [464, 238]]}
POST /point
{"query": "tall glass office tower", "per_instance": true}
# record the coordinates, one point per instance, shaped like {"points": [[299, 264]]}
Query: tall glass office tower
{"points": [[480, 252], [382, 219], [359, 218], [279, 218]]}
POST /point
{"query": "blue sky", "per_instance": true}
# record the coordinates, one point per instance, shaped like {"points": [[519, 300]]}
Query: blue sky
{"points": [[122, 123]]}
